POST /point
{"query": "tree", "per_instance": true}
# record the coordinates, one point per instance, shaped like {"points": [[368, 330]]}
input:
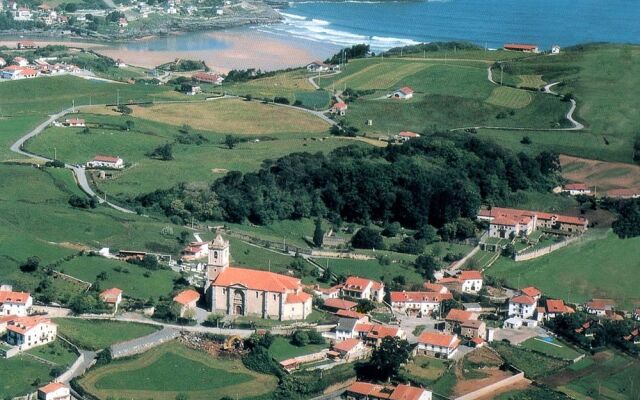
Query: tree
{"points": [[230, 141], [129, 124], [213, 319], [83, 303], [525, 140], [628, 223], [427, 233], [386, 360], [182, 396], [427, 265], [315, 337], [31, 264], [125, 110], [549, 162], [318, 234], [300, 338], [392, 229], [367, 238], [365, 306], [163, 152]]}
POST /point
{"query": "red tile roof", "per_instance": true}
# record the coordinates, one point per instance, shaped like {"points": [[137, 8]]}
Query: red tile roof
{"points": [[375, 331], [556, 306], [369, 389], [340, 105], [472, 323], [457, 315], [406, 90], [470, 275], [523, 300], [434, 287], [438, 339], [340, 304], [52, 387], [408, 134], [14, 297], [358, 284], [106, 159], [205, 77], [350, 314], [346, 345], [510, 215], [257, 280], [110, 295], [600, 304], [406, 392], [531, 291], [22, 325], [301, 297], [419, 297], [576, 186], [516, 46], [187, 296]]}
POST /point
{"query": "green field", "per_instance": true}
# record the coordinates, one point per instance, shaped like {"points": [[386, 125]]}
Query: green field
{"points": [[532, 364], [504, 96], [165, 371], [593, 267], [100, 334], [531, 81], [426, 370], [56, 352], [130, 279], [282, 349], [18, 375], [554, 348], [613, 377]]}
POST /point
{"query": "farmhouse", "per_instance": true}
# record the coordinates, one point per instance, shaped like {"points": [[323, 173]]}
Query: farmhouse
{"points": [[112, 297], [370, 391], [22, 14], [195, 250], [372, 334], [206, 77], [28, 332], [554, 308], [241, 291], [456, 317], [111, 162], [120, 63], [464, 281], [14, 72], [26, 44], [531, 291], [575, 189], [15, 303], [418, 303], [505, 222], [187, 300], [123, 23], [406, 136], [346, 329], [318, 66], [340, 108], [75, 123], [473, 329], [54, 391], [525, 48], [437, 344], [349, 350], [600, 307], [522, 306], [404, 93], [327, 293], [361, 288]]}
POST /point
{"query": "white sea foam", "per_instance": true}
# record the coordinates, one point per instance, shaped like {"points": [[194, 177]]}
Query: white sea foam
{"points": [[318, 30]]}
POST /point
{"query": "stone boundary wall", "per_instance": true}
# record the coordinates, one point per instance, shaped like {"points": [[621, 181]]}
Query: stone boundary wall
{"points": [[545, 250]]}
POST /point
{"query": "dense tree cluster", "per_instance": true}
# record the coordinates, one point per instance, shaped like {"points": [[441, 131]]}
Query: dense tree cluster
{"points": [[433, 46], [435, 180], [355, 51]]}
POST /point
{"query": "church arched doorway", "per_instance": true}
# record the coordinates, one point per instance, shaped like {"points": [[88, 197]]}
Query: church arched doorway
{"points": [[238, 302]]}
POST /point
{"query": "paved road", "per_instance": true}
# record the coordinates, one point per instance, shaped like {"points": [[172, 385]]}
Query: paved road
{"points": [[142, 344], [79, 172]]}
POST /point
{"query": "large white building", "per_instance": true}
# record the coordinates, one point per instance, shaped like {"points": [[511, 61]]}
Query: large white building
{"points": [[54, 391], [522, 306], [437, 344], [419, 303], [361, 288], [28, 332], [15, 303], [106, 162]]}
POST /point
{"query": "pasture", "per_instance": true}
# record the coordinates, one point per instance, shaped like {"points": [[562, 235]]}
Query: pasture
{"points": [[100, 334], [165, 371], [593, 266], [533, 365], [282, 349], [531, 81], [234, 116], [504, 96], [18, 375]]}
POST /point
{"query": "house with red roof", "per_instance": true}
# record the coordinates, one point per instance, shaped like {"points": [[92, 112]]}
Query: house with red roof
{"points": [[54, 391], [349, 350], [360, 317], [472, 329], [187, 300], [110, 162], [28, 332], [455, 317], [525, 48], [371, 391], [372, 334], [463, 281], [360, 288], [505, 222], [195, 250], [207, 77], [243, 291], [575, 189], [404, 93], [75, 123], [15, 72], [112, 297], [327, 293], [406, 136], [599, 307], [531, 291], [522, 306], [437, 344], [318, 66], [339, 108], [418, 303], [335, 304], [15, 303], [555, 307]]}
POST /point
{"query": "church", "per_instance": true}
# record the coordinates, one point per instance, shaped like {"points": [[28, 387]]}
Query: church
{"points": [[249, 292]]}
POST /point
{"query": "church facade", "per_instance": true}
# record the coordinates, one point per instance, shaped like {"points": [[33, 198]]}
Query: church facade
{"points": [[248, 292]]}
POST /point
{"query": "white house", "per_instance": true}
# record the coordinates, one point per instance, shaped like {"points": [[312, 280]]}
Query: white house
{"points": [[371, 391], [360, 288], [350, 350], [14, 72], [465, 281], [437, 344], [195, 250], [418, 303], [112, 296], [123, 23], [575, 189], [100, 161], [346, 329], [15, 303], [28, 332], [555, 49], [406, 136], [404, 93], [22, 14], [54, 391], [599, 307], [340, 108], [522, 306], [75, 123], [318, 66]]}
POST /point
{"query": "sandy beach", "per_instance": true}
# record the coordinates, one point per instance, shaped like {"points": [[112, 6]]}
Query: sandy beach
{"points": [[232, 49]]}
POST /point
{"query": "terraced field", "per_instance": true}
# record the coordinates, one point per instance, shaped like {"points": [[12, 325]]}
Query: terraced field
{"points": [[509, 97]]}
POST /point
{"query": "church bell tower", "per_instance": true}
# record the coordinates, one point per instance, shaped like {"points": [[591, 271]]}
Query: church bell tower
{"points": [[218, 257]]}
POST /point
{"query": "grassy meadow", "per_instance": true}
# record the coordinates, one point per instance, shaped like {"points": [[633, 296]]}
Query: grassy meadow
{"points": [[18, 375], [100, 334], [596, 267], [552, 347], [165, 371], [282, 349]]}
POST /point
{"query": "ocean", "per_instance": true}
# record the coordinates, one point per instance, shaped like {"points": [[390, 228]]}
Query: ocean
{"points": [[489, 23]]}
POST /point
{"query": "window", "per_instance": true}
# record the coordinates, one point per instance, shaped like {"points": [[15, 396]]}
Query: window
{"points": [[274, 296]]}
